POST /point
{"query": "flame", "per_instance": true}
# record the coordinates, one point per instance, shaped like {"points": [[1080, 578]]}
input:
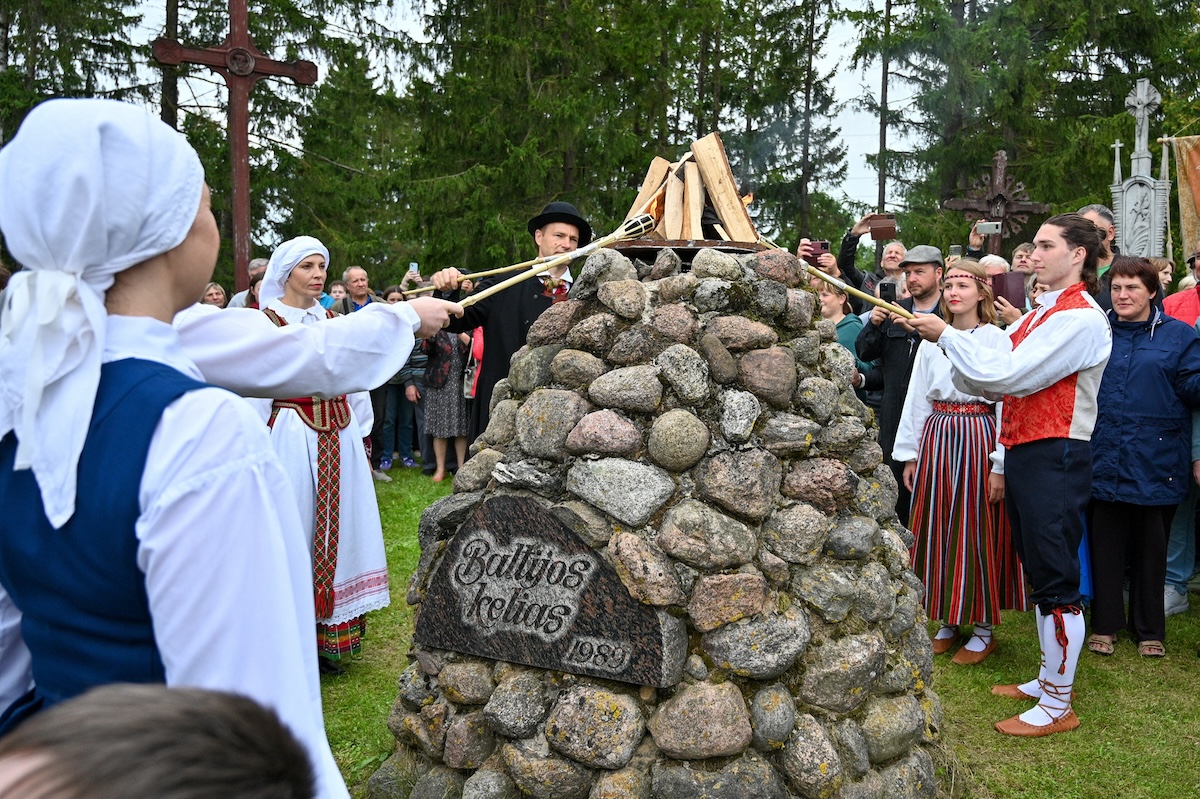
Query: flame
{"points": [[749, 198], [657, 206]]}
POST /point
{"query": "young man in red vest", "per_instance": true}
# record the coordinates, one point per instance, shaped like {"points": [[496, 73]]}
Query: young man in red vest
{"points": [[1049, 384]]}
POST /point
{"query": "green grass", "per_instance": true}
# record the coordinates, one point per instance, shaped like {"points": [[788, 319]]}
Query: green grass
{"points": [[1139, 739], [1139, 736], [357, 702]]}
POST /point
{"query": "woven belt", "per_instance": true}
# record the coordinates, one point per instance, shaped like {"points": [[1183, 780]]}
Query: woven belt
{"points": [[963, 408]]}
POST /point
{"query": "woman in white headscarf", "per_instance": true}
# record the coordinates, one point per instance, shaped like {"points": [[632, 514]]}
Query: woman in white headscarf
{"points": [[321, 444], [143, 538]]}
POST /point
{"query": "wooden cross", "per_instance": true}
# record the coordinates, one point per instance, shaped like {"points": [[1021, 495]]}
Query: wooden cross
{"points": [[999, 199], [240, 63]]}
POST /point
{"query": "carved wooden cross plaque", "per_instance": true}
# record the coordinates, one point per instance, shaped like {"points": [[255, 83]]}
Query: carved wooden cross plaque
{"points": [[1000, 199]]}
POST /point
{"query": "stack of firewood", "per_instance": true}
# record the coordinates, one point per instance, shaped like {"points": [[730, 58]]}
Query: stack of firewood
{"points": [[677, 194]]}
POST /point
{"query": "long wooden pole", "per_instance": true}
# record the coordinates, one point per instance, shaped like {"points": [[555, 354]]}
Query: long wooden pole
{"points": [[476, 275], [846, 287], [631, 229], [862, 295]]}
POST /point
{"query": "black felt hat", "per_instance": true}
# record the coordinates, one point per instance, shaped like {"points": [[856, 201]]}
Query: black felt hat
{"points": [[562, 212]]}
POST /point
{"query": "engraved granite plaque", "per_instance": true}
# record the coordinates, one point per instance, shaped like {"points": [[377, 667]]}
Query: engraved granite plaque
{"points": [[515, 584]]}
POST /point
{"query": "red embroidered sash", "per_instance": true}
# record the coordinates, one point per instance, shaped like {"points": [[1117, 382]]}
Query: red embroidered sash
{"points": [[326, 417]]}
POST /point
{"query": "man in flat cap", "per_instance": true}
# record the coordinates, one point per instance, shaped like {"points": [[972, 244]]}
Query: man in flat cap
{"points": [[507, 316], [890, 340]]}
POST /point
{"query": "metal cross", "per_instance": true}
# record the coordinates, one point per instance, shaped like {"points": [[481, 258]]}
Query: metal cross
{"points": [[240, 63]]}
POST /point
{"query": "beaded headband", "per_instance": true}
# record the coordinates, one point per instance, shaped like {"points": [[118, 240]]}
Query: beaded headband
{"points": [[961, 273]]}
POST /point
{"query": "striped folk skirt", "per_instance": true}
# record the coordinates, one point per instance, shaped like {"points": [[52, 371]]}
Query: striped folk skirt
{"points": [[963, 553]]}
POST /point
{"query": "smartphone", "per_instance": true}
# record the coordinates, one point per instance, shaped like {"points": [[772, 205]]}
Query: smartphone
{"points": [[887, 292], [818, 247], [987, 228], [413, 267], [1010, 286], [882, 227], [956, 249]]}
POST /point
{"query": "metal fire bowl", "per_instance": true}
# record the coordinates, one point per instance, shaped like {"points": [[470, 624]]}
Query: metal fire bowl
{"points": [[647, 249]]}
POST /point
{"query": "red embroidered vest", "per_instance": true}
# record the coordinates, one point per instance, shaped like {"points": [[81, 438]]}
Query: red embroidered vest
{"points": [[1048, 413]]}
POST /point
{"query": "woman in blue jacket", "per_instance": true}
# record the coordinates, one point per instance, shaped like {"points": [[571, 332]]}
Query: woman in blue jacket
{"points": [[1140, 457]]}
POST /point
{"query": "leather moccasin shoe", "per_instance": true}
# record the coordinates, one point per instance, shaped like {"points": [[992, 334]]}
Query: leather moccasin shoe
{"points": [[1013, 692], [1065, 723], [965, 657], [943, 645]]}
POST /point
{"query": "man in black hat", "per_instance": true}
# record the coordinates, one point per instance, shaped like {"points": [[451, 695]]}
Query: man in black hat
{"points": [[507, 316]]}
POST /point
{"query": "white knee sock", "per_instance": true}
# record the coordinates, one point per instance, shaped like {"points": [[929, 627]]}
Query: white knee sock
{"points": [[1034, 687], [1060, 668]]}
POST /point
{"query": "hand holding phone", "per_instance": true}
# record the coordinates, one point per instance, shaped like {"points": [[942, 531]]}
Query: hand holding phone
{"points": [[817, 248]]}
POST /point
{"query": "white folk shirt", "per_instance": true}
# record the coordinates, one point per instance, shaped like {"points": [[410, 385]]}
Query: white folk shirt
{"points": [[228, 576], [242, 350], [1065, 343], [932, 382]]}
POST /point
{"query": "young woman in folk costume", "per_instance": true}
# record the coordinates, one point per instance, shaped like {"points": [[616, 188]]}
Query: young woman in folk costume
{"points": [[954, 467], [321, 444]]}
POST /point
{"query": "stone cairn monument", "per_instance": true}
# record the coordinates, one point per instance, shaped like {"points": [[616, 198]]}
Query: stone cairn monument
{"points": [[672, 567]]}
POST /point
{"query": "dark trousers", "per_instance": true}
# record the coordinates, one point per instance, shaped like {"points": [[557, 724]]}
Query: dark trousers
{"points": [[378, 397], [1135, 534], [1047, 485], [903, 495]]}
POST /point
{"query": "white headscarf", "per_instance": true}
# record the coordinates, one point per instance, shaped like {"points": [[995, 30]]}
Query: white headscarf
{"points": [[88, 188], [283, 261]]}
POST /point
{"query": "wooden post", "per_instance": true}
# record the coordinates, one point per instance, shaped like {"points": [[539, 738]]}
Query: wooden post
{"points": [[241, 65]]}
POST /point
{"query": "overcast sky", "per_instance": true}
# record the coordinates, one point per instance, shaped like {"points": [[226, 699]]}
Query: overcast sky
{"points": [[859, 130]]}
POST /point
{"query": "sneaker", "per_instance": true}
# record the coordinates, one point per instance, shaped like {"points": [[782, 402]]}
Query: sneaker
{"points": [[1174, 602], [380, 476], [385, 464], [408, 463]]}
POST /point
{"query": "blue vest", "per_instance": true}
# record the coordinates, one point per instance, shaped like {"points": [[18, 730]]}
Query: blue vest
{"points": [[85, 613]]}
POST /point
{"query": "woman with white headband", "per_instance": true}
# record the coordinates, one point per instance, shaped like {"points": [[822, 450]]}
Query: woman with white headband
{"points": [[320, 443], [143, 538]]}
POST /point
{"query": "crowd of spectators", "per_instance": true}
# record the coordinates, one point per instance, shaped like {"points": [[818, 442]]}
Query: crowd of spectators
{"points": [[1145, 470]]}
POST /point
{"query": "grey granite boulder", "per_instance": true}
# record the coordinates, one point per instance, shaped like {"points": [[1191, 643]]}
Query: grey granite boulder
{"points": [[646, 571], [686, 371], [545, 420], [763, 647], [705, 538], [596, 727], [797, 534], [677, 440], [809, 760], [772, 716], [628, 491], [517, 706], [839, 675], [702, 721], [633, 388], [746, 483], [739, 411]]}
